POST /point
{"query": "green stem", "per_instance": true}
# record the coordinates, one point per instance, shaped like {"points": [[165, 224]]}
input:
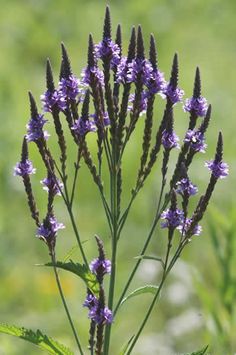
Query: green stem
{"points": [[52, 254]]}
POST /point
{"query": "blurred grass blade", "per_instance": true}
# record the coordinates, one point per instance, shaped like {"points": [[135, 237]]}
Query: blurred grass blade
{"points": [[126, 346], [199, 352], [37, 338], [150, 257], [80, 270], [70, 253], [141, 290]]}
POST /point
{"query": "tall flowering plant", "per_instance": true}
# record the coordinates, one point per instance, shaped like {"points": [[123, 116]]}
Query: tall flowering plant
{"points": [[113, 93]]}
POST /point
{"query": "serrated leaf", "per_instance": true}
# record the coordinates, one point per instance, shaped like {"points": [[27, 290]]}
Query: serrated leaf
{"points": [[80, 270], [37, 338], [139, 291], [150, 257], [126, 346], [199, 352]]}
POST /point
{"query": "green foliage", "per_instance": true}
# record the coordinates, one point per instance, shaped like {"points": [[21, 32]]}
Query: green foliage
{"points": [[199, 352], [36, 338], [80, 270], [141, 290]]}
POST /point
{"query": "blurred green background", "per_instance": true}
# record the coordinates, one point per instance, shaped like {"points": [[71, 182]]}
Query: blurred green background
{"points": [[197, 307]]}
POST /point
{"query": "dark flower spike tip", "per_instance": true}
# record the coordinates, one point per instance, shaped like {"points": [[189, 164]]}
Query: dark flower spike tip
{"points": [[219, 148], [206, 120], [197, 84], [49, 77], [33, 106], [107, 24], [174, 72], [91, 59], [153, 52], [140, 45], [132, 45], [66, 67], [119, 37], [100, 248], [173, 201], [85, 107], [24, 151]]}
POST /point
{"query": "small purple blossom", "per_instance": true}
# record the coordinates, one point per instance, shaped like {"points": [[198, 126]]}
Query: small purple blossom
{"points": [[98, 265], [185, 186], [196, 139], [196, 104], [35, 129], [49, 228], [174, 94], [139, 67], [49, 183], [219, 169], [81, 127], [52, 100], [107, 49], [90, 301], [69, 87], [101, 315], [156, 83], [24, 168], [105, 119], [142, 103], [173, 218], [89, 73], [121, 73], [170, 140], [184, 227]]}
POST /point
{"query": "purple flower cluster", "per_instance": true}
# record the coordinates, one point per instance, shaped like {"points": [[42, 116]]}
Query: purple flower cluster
{"points": [[49, 183], [49, 228], [81, 127], [100, 266], [184, 227], [107, 49], [196, 104], [105, 119], [174, 94], [69, 87], [218, 168], [96, 313], [53, 100], [185, 186], [89, 73], [173, 218], [170, 140], [24, 168], [142, 106], [35, 129], [139, 67], [121, 71], [156, 83], [196, 139]]}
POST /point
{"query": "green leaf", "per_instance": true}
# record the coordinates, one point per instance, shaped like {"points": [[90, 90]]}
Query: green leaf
{"points": [[36, 338], [126, 346], [199, 352], [80, 270], [139, 291], [151, 257]]}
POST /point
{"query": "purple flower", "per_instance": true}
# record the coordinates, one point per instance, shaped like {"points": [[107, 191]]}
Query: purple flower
{"points": [[196, 139], [174, 94], [54, 186], [183, 228], [24, 168], [81, 127], [185, 186], [89, 73], [35, 129], [90, 301], [121, 73], [49, 228], [107, 49], [142, 103], [156, 83], [52, 100], [105, 119], [69, 87], [100, 315], [196, 104], [173, 218], [218, 168], [170, 140], [98, 265], [139, 67]]}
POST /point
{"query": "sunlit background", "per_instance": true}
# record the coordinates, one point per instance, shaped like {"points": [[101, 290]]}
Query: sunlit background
{"points": [[197, 304]]}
